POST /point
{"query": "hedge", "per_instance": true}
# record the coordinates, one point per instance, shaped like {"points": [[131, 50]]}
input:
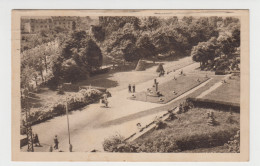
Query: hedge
{"points": [[75, 101]]}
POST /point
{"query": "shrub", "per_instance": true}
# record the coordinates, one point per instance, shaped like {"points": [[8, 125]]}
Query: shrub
{"points": [[160, 125], [160, 68], [74, 101], [205, 140], [234, 144], [111, 144]]}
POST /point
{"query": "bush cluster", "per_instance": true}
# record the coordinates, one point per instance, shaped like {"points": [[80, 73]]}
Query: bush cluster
{"points": [[74, 101], [117, 144], [234, 144], [168, 144]]}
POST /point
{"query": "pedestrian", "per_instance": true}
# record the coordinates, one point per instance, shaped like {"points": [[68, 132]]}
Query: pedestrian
{"points": [[129, 88], [36, 140], [134, 88], [56, 142]]}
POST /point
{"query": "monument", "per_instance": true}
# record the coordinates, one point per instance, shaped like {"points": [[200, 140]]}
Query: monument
{"points": [[155, 92]]}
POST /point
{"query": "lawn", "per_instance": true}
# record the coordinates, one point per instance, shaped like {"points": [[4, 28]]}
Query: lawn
{"points": [[181, 85], [227, 92], [191, 131]]}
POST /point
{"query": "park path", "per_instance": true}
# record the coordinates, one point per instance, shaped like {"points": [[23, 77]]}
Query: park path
{"points": [[212, 88], [86, 133]]}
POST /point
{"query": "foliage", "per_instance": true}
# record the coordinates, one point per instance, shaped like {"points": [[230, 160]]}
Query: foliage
{"points": [[74, 101], [224, 47], [37, 62], [98, 33], [204, 52], [79, 55], [234, 144], [110, 144], [71, 72], [30, 41], [133, 38], [58, 54]]}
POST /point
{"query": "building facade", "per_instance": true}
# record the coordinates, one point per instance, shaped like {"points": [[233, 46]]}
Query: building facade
{"points": [[33, 25]]}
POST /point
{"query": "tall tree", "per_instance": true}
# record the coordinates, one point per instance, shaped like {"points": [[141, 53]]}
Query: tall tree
{"points": [[204, 51]]}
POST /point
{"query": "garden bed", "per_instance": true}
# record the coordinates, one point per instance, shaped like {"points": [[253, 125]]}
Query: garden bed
{"points": [[181, 85], [190, 131]]}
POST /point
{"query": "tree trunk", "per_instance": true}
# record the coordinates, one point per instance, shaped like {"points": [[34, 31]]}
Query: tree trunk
{"points": [[45, 63], [42, 76], [36, 83]]}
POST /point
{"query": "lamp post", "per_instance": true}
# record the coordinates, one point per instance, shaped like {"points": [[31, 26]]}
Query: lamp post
{"points": [[67, 113], [28, 123]]}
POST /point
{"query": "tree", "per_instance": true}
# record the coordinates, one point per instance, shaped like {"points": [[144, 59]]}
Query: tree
{"points": [[229, 43], [145, 48], [98, 33], [70, 71], [90, 53], [204, 51], [26, 76], [73, 25], [79, 56], [150, 23]]}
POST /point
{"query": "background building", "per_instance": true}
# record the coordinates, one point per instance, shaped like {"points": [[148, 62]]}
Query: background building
{"points": [[37, 24]]}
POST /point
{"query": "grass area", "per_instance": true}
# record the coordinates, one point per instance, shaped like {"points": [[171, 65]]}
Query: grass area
{"points": [[181, 85], [213, 81], [227, 92], [191, 131], [164, 107]]}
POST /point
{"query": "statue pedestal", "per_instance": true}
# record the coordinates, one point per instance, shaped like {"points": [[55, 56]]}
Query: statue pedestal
{"points": [[153, 93]]}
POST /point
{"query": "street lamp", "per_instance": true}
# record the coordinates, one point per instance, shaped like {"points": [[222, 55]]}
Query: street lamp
{"points": [[67, 113], [28, 123]]}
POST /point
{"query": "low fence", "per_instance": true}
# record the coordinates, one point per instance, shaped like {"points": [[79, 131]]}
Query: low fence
{"points": [[220, 105]]}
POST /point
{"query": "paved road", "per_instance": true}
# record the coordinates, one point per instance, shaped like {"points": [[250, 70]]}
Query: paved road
{"points": [[87, 131]]}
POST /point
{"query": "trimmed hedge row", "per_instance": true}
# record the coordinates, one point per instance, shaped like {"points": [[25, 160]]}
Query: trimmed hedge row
{"points": [[220, 105]]}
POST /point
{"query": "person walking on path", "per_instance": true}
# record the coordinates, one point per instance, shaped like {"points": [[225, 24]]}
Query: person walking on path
{"points": [[56, 142], [105, 100], [129, 88], [36, 140], [134, 88]]}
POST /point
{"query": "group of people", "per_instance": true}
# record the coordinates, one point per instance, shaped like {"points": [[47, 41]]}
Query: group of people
{"points": [[131, 89]]}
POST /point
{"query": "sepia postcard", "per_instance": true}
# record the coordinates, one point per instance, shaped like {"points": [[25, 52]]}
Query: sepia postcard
{"points": [[130, 85]]}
